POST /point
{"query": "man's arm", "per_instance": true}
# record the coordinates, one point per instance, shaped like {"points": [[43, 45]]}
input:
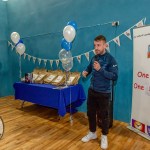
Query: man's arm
{"points": [[88, 70], [112, 73]]}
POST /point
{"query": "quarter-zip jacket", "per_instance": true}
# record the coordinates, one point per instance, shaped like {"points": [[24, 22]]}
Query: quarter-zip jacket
{"points": [[101, 80]]}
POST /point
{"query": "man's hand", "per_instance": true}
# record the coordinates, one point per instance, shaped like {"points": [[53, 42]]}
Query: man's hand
{"points": [[84, 73], [96, 66]]}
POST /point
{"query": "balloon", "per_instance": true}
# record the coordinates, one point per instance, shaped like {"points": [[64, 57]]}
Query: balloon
{"points": [[66, 45], [20, 48], [69, 33], [72, 23], [20, 41], [68, 66], [65, 56], [15, 37]]}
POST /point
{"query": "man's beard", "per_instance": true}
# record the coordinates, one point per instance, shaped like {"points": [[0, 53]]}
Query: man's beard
{"points": [[100, 52]]}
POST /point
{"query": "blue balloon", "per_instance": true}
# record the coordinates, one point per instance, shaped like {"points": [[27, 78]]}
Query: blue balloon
{"points": [[20, 41], [72, 23], [66, 45]]}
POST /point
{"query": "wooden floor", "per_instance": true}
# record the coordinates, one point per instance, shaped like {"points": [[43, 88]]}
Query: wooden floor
{"points": [[37, 128]]}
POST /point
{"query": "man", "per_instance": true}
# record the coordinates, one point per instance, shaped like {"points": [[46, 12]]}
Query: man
{"points": [[104, 69]]}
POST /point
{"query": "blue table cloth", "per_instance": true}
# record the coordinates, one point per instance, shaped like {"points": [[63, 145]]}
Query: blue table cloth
{"points": [[50, 95]]}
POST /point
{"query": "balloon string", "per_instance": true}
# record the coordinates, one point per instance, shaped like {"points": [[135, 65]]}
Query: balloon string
{"points": [[20, 73], [71, 119], [66, 78]]}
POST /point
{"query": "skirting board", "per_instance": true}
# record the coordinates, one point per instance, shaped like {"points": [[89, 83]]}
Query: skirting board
{"points": [[138, 132]]}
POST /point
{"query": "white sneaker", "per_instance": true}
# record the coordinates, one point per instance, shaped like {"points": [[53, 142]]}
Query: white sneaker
{"points": [[104, 142], [89, 136]]}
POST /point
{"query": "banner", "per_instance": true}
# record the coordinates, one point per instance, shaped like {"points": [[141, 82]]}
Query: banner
{"points": [[140, 117]]}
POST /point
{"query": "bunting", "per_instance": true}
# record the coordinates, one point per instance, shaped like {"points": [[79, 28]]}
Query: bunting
{"points": [[25, 55], [87, 55], [116, 40], [39, 60], [57, 62], [29, 57], [79, 58], [9, 43], [128, 34], [93, 51], [107, 47], [140, 23], [45, 61], [51, 63], [34, 59]]}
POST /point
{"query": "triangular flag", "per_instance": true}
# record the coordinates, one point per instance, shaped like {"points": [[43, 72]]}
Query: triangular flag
{"points": [[144, 20], [45, 61], [57, 62], [107, 47], [94, 51], [51, 62], [87, 55], [24, 55], [79, 58], [12, 46], [117, 40], [9, 43], [34, 59], [128, 34], [39, 60], [29, 57], [140, 23]]}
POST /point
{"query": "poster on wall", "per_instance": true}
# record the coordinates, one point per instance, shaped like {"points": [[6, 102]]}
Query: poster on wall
{"points": [[140, 113]]}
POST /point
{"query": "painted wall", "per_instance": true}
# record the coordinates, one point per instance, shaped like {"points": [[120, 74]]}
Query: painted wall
{"points": [[5, 69], [40, 24]]}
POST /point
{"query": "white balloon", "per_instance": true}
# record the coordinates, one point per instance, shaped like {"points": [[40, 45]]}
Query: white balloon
{"points": [[20, 48], [69, 33], [65, 56], [15, 37], [68, 66]]}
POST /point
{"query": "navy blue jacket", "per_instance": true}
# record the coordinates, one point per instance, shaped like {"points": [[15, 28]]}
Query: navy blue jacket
{"points": [[101, 80]]}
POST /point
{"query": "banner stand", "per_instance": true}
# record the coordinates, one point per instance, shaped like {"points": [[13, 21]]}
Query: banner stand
{"points": [[138, 132], [140, 112]]}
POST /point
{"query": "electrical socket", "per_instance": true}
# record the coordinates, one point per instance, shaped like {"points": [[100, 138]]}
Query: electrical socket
{"points": [[115, 23]]}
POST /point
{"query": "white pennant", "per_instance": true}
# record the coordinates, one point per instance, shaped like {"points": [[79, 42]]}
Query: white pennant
{"points": [[39, 60], [117, 40], [144, 21], [87, 55], [51, 62], [9, 43], [57, 62], [128, 34], [24, 55], [94, 51], [12, 46], [79, 58], [45, 61], [107, 47], [34, 59], [140, 23], [29, 57]]}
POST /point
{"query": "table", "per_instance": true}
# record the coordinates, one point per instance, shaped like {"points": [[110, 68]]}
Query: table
{"points": [[50, 95]]}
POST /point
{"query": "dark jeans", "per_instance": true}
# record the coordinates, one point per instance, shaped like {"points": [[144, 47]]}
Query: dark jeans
{"points": [[98, 101]]}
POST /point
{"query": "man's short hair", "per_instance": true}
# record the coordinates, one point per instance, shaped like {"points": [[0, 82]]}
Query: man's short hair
{"points": [[100, 38]]}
